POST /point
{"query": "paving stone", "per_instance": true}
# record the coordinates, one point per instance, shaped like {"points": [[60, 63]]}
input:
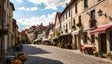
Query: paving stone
{"points": [[41, 54]]}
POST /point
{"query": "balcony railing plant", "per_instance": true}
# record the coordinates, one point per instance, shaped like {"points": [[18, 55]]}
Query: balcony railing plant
{"points": [[73, 27], [79, 24]]}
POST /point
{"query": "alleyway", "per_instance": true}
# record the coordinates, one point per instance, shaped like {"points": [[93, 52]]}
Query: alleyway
{"points": [[40, 54]]}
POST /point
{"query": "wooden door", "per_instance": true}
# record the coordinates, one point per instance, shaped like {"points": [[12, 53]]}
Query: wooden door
{"points": [[111, 41], [103, 43]]}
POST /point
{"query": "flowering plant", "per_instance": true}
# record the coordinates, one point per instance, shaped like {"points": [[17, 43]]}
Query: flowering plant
{"points": [[23, 58], [19, 54], [17, 61], [95, 52]]}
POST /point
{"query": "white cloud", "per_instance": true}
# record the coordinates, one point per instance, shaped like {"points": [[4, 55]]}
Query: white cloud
{"points": [[20, 1], [27, 22], [28, 9], [50, 4]]}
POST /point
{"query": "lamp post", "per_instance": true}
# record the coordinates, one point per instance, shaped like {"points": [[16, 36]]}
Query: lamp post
{"points": [[100, 13]]}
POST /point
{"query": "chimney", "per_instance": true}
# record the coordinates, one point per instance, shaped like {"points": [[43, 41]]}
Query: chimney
{"points": [[66, 4]]}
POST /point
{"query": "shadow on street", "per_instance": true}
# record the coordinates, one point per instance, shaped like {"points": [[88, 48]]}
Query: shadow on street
{"points": [[40, 60], [34, 50]]}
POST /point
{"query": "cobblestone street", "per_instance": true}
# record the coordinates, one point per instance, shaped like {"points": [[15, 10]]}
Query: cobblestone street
{"points": [[41, 54]]}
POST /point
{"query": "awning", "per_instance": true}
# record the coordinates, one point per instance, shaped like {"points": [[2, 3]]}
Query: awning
{"points": [[45, 39], [37, 40], [76, 32], [56, 37], [100, 30], [65, 34]]}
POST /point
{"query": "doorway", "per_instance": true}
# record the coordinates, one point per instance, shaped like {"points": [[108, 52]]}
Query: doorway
{"points": [[103, 43], [75, 41], [111, 41]]}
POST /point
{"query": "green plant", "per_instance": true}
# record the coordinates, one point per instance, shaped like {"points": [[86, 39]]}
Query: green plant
{"points": [[100, 53], [19, 54], [109, 55], [73, 27], [62, 43], [57, 33], [79, 24]]}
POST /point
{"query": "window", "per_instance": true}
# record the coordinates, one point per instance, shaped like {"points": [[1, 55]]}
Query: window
{"points": [[92, 39], [66, 15], [4, 16], [74, 22], [93, 14], [7, 3], [79, 19], [69, 13], [69, 25], [85, 3], [85, 38], [63, 17], [92, 19], [75, 7]]}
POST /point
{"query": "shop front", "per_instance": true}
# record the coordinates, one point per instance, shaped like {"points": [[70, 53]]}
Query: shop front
{"points": [[104, 38], [76, 40], [67, 39]]}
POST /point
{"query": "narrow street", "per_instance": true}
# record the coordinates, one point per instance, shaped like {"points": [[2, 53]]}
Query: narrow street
{"points": [[41, 54]]}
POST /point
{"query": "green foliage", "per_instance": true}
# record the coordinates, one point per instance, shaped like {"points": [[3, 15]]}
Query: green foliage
{"points": [[109, 55], [19, 54], [79, 24], [57, 33], [62, 43], [100, 53], [73, 27]]}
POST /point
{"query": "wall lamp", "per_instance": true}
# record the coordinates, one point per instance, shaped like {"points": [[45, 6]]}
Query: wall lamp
{"points": [[100, 13]]}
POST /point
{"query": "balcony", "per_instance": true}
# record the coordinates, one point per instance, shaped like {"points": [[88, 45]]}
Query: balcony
{"points": [[92, 23]]}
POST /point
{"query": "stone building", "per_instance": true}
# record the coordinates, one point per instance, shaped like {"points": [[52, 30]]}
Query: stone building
{"points": [[57, 27], [11, 25], [92, 21], [66, 24], [5, 38], [31, 34]]}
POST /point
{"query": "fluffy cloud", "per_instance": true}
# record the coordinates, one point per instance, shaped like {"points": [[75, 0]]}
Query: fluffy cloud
{"points": [[50, 4], [28, 9], [27, 22], [20, 1]]}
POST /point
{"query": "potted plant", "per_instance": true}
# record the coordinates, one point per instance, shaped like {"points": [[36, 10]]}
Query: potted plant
{"points": [[100, 54], [73, 27], [19, 54], [23, 58], [79, 24], [17, 61], [109, 56], [95, 53]]}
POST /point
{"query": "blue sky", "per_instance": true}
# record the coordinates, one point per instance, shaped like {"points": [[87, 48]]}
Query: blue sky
{"points": [[33, 12]]}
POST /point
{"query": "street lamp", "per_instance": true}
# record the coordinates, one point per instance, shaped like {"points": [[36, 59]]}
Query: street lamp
{"points": [[100, 13]]}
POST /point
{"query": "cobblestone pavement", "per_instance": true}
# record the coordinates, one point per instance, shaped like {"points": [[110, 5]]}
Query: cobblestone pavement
{"points": [[41, 54]]}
